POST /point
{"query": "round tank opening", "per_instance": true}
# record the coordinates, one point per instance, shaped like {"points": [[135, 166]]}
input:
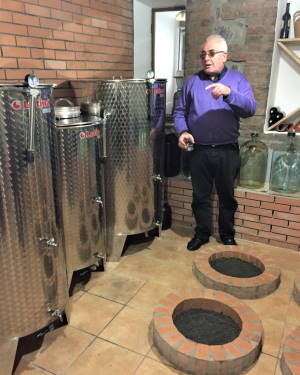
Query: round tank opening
{"points": [[235, 267], [207, 326]]}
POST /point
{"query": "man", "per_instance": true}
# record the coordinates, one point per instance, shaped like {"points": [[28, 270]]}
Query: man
{"points": [[207, 115]]}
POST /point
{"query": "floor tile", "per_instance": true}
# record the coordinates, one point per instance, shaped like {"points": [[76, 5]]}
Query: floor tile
{"points": [[60, 348], [151, 367], [115, 287], [265, 365], [92, 313], [293, 316], [288, 328], [105, 358], [148, 296], [25, 368], [131, 329], [273, 332], [278, 369]]}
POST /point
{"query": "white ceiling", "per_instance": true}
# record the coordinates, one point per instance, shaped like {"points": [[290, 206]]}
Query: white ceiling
{"points": [[163, 3]]}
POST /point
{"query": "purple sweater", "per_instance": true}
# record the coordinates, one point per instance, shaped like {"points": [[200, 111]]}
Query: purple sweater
{"points": [[212, 121]]}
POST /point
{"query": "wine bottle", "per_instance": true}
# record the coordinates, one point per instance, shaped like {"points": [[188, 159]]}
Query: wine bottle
{"points": [[286, 20], [273, 110]]}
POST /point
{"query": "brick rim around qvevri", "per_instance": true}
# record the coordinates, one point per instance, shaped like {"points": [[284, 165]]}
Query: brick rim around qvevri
{"points": [[228, 359], [290, 358], [247, 288]]}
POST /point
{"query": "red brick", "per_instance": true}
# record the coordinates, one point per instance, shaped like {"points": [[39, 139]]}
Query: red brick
{"points": [[260, 197], [182, 198], [271, 221], [64, 55], [10, 28], [42, 53], [284, 245], [68, 7], [5, 16], [180, 184], [31, 63], [8, 62], [55, 64], [256, 225], [275, 206], [273, 236], [15, 73], [258, 211], [54, 44], [63, 35], [247, 216], [37, 10], [51, 3], [295, 210], [40, 32], [175, 190], [17, 6], [294, 240], [287, 200], [9, 40], [51, 23], [294, 225], [25, 19], [61, 15], [15, 52], [248, 202], [29, 42], [239, 193], [287, 231], [246, 230], [285, 216]]}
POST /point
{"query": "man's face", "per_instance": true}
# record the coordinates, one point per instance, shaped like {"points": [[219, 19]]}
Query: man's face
{"points": [[213, 64]]}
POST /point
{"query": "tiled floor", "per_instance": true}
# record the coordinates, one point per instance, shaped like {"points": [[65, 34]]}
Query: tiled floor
{"points": [[110, 321]]}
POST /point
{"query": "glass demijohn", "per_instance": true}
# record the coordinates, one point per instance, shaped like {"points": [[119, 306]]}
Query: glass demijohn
{"points": [[285, 168], [254, 158]]}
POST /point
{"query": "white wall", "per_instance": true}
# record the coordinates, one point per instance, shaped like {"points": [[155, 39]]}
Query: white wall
{"points": [[142, 39], [165, 47]]}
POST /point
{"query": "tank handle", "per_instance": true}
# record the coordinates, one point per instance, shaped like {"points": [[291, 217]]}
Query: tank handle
{"points": [[32, 108]]}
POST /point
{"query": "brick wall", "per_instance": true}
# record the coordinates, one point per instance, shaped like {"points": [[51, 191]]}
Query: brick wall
{"points": [[61, 40], [260, 217]]}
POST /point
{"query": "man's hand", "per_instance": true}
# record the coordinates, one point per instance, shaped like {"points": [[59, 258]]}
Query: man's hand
{"points": [[218, 89], [184, 140]]}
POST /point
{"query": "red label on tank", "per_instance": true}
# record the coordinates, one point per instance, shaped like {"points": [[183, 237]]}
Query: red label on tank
{"points": [[17, 104], [159, 91], [90, 134]]}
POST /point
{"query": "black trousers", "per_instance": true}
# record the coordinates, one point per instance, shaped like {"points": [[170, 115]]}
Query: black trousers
{"points": [[217, 165]]}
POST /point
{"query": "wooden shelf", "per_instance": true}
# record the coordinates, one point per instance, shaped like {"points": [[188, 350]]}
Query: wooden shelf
{"points": [[283, 44]]}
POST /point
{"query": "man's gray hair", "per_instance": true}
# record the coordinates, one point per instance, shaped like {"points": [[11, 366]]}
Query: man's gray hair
{"points": [[222, 41]]}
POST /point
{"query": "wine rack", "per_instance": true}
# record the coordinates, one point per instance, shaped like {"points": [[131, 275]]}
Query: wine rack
{"points": [[284, 44]]}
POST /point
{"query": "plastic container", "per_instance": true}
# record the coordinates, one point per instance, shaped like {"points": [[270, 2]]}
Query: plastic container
{"points": [[285, 168], [254, 159]]}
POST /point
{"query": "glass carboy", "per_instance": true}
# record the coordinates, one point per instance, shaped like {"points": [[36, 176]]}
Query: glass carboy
{"points": [[285, 168], [254, 158]]}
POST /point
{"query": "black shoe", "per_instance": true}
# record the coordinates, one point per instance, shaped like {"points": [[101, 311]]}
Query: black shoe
{"points": [[195, 243], [228, 241]]}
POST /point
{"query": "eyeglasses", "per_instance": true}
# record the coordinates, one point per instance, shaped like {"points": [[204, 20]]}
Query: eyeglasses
{"points": [[210, 53]]}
